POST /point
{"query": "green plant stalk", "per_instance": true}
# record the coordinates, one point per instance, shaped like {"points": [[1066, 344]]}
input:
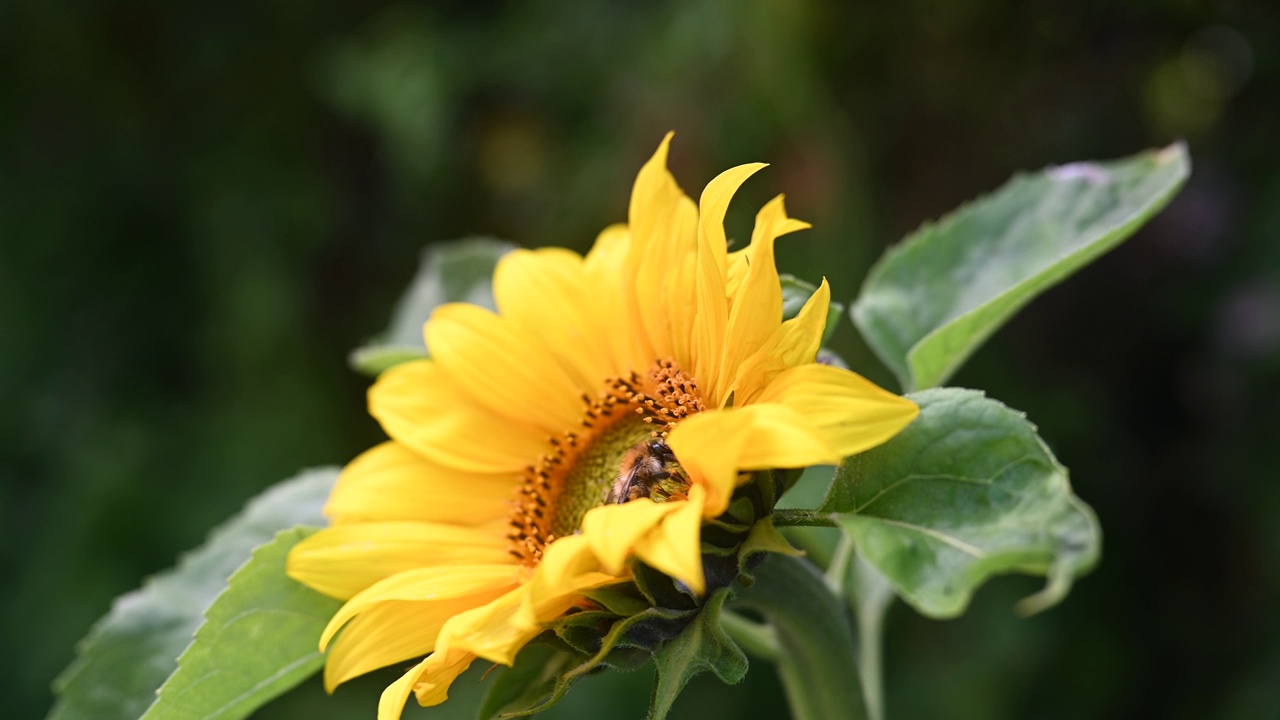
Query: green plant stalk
{"points": [[870, 599], [802, 518], [817, 645], [758, 639]]}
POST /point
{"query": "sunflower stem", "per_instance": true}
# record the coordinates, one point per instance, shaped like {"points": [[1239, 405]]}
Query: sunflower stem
{"points": [[872, 594], [758, 639], [803, 518], [838, 568], [817, 659]]}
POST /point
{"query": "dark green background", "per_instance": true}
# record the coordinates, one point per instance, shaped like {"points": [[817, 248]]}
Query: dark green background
{"points": [[203, 206]]}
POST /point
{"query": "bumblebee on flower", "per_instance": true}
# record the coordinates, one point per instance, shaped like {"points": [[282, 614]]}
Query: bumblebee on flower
{"points": [[605, 411]]}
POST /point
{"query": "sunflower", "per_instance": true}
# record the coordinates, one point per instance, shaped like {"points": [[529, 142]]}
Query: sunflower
{"points": [[606, 410]]}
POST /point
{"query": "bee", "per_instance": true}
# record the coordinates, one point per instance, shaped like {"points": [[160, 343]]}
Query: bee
{"points": [[645, 467]]}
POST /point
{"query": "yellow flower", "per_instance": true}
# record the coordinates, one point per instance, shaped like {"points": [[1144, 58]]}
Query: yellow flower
{"points": [[485, 515]]}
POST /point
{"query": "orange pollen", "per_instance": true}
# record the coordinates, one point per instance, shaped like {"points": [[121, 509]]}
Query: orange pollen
{"points": [[661, 398]]}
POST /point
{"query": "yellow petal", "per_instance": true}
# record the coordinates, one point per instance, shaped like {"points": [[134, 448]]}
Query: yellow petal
{"points": [[738, 267], [714, 204], [442, 669], [653, 196], [675, 547], [663, 224], [679, 287], [712, 303], [546, 293], [794, 342], [608, 255], [425, 585], [612, 530], [504, 367], [392, 482], [708, 449], [564, 562], [605, 264], [656, 200], [391, 704], [756, 310], [499, 629], [782, 438], [715, 444], [566, 569], [390, 633], [344, 560], [429, 679], [424, 408], [851, 413], [490, 631]]}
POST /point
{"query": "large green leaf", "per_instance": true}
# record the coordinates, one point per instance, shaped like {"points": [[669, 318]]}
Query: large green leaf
{"points": [[816, 648], [967, 491], [933, 299], [135, 647], [260, 638], [454, 271]]}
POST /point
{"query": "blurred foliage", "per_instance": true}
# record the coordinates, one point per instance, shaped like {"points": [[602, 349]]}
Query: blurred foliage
{"points": [[204, 207]]}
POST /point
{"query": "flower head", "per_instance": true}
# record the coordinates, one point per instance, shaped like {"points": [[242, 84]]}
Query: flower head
{"points": [[609, 407]]}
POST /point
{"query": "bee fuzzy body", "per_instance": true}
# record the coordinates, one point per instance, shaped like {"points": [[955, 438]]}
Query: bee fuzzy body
{"points": [[645, 472]]}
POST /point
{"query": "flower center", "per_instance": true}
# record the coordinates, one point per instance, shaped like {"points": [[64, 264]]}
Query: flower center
{"points": [[625, 424], [588, 481]]}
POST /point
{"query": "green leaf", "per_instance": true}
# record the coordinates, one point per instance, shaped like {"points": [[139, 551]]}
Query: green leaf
{"points": [[816, 658], [258, 640], [622, 599], [967, 491], [534, 682], [933, 299], [796, 292], [702, 646], [454, 271], [132, 650]]}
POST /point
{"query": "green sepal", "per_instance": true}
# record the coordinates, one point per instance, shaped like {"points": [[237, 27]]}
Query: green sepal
{"points": [[660, 589], [583, 631], [373, 360], [535, 681], [576, 645], [796, 292], [703, 646], [764, 538], [453, 271], [621, 599], [967, 491], [134, 648], [933, 299]]}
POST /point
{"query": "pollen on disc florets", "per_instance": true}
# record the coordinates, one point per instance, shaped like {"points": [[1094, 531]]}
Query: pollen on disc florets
{"points": [[576, 473]]}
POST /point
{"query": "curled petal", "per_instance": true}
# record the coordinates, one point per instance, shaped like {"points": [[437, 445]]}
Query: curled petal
{"points": [[851, 413], [613, 530], [675, 546], [714, 445]]}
